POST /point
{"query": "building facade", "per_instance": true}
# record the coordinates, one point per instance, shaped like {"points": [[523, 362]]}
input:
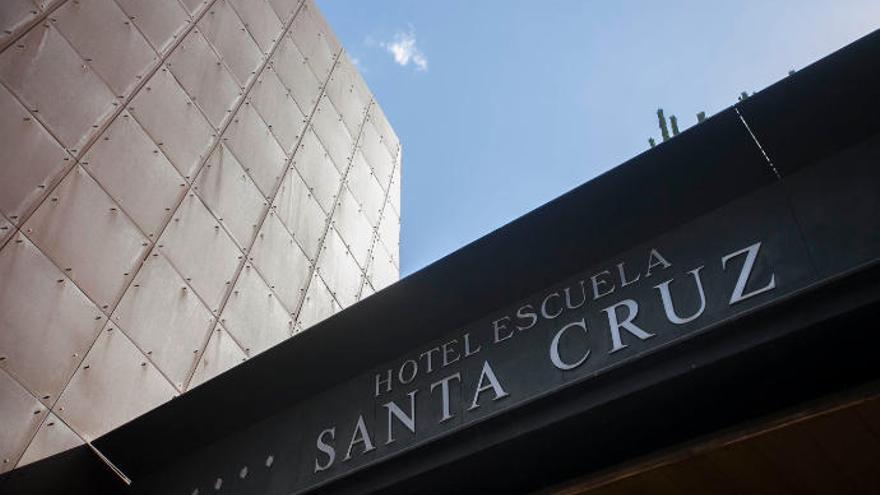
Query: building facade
{"points": [[699, 319], [183, 185]]}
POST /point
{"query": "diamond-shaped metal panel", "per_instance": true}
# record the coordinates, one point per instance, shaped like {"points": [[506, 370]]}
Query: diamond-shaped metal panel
{"points": [[174, 122], [114, 384], [284, 8], [290, 65], [389, 233], [279, 110], [312, 42], [221, 354], [52, 437], [318, 305], [46, 73], [225, 31], [32, 161], [6, 230], [195, 6], [353, 226], [200, 250], [323, 27], [161, 21], [367, 290], [84, 232], [260, 20], [301, 213], [394, 191], [204, 77], [284, 266], [165, 318], [317, 170], [22, 415], [253, 314], [132, 169], [382, 271], [256, 149], [47, 323], [377, 155], [15, 15], [389, 138], [339, 269], [103, 35], [366, 190], [343, 88], [328, 125], [231, 195]]}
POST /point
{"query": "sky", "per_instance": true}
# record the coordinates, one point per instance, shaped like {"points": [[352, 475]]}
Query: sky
{"points": [[501, 106]]}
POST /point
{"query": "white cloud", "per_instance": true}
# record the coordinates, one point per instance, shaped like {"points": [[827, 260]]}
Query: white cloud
{"points": [[404, 50], [358, 65]]}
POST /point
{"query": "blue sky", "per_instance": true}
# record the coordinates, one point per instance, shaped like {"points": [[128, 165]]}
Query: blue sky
{"points": [[503, 105]]}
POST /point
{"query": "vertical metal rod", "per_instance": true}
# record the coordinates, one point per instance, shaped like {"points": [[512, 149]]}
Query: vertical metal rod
{"points": [[757, 143], [109, 464]]}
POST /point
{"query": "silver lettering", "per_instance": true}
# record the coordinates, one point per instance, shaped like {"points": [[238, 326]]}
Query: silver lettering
{"points": [[627, 324], [597, 282], [444, 394], [531, 315], [394, 411], [326, 448], [555, 358], [751, 253], [487, 374], [669, 308], [498, 327], [360, 435], [544, 311], [380, 382], [656, 259]]}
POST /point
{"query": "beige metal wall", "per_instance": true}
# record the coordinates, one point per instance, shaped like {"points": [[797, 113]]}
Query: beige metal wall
{"points": [[183, 184]]}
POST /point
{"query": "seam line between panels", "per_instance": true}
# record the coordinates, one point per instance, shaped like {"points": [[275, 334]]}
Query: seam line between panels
{"points": [[33, 22], [13, 229], [50, 191]]}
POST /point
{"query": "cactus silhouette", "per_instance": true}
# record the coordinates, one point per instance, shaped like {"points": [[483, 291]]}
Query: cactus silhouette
{"points": [[673, 123], [664, 131]]}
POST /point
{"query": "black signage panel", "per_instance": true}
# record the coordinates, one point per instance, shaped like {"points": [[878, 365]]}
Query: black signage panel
{"points": [[741, 257]]}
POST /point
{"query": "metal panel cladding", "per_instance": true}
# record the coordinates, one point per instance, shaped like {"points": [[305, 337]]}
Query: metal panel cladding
{"points": [[183, 184]]}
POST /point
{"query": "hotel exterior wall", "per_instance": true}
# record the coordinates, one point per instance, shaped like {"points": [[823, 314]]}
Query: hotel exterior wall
{"points": [[182, 186]]}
